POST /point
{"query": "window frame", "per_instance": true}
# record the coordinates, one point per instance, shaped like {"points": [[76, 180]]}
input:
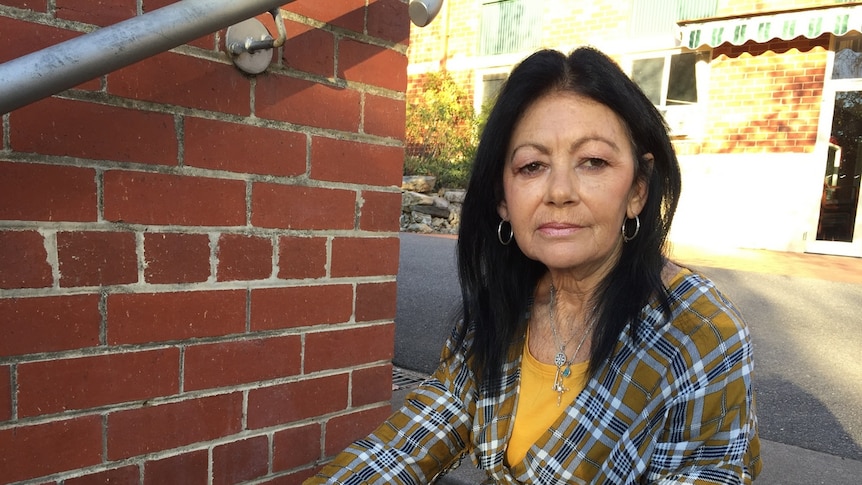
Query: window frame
{"points": [[685, 120]]}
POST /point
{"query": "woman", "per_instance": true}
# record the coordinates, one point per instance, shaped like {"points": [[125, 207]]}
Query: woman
{"points": [[583, 354]]}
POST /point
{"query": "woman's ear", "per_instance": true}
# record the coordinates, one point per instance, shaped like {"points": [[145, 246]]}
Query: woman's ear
{"points": [[503, 210], [640, 188]]}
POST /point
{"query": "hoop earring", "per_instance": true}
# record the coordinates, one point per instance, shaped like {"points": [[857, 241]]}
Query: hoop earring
{"points": [[626, 237], [500, 233]]}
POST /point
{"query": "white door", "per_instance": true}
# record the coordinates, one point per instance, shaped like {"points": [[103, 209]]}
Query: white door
{"points": [[839, 223]]}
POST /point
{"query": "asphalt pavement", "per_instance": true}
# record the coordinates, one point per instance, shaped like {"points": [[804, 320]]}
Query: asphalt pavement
{"points": [[805, 316]]}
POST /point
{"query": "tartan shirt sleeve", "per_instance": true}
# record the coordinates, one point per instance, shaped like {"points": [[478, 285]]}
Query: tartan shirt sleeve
{"points": [[710, 432], [419, 442]]}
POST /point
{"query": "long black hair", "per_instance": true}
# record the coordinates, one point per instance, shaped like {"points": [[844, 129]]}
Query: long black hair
{"points": [[497, 281]]}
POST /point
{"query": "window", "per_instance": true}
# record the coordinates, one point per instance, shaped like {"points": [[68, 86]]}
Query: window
{"points": [[510, 26], [659, 17], [848, 58], [675, 82], [491, 85], [668, 80]]}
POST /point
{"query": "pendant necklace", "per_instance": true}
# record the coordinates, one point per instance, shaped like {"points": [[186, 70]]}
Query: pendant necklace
{"points": [[561, 360]]}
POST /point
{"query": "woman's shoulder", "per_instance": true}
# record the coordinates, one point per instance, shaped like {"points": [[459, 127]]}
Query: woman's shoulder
{"points": [[701, 313]]}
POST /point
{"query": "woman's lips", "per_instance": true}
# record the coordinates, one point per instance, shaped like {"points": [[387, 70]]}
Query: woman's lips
{"points": [[559, 228]]}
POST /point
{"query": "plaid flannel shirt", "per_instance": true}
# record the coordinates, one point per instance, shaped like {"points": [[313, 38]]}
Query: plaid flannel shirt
{"points": [[676, 406]]}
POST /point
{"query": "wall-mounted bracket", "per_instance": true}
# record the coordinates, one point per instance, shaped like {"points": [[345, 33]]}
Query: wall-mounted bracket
{"points": [[250, 44]]}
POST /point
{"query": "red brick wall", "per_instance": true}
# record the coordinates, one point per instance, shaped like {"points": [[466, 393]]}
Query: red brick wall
{"points": [[197, 267], [775, 106]]}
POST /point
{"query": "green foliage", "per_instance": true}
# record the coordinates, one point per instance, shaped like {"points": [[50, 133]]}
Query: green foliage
{"points": [[442, 132]]}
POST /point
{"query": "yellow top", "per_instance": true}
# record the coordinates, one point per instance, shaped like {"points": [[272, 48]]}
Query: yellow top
{"points": [[537, 402]]}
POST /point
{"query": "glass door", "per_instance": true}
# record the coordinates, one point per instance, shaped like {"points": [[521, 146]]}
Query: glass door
{"points": [[839, 222], [839, 217]]}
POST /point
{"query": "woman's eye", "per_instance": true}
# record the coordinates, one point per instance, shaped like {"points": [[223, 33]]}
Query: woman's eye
{"points": [[595, 162], [530, 168]]}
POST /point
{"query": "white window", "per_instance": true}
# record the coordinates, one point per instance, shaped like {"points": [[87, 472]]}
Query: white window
{"points": [[675, 83], [487, 84], [509, 26], [668, 80]]}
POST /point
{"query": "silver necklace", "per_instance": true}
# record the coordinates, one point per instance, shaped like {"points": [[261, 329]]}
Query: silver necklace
{"points": [[561, 359]]}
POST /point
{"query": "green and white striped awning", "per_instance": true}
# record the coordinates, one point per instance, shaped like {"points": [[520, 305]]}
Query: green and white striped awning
{"points": [[762, 28]]}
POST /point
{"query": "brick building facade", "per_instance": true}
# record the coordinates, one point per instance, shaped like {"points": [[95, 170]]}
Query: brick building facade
{"points": [[753, 128], [197, 266]]}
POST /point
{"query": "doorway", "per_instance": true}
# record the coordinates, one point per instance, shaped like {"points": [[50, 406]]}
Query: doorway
{"points": [[839, 221]]}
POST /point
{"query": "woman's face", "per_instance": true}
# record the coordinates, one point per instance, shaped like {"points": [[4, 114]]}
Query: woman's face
{"points": [[569, 183]]}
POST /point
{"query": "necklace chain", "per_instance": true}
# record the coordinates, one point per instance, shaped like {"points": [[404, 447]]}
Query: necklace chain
{"points": [[560, 359]]}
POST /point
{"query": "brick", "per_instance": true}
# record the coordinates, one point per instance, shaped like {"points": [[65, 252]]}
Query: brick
{"points": [[193, 83], [385, 116], [380, 211], [300, 102], [34, 5], [372, 385], [356, 162], [344, 348], [294, 401], [151, 198], [389, 20], [347, 14], [375, 301], [299, 207], [192, 467], [176, 258], [80, 129], [242, 257], [48, 324], [42, 449], [295, 447], [243, 148], [5, 393], [128, 475], [103, 13], [156, 428], [295, 478], [36, 192], [364, 257], [343, 430], [157, 317], [301, 257], [370, 64], [97, 258], [240, 461], [311, 50], [24, 260], [277, 308], [233, 363], [54, 386]]}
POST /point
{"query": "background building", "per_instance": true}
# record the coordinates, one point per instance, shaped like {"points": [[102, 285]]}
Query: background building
{"points": [[763, 100]]}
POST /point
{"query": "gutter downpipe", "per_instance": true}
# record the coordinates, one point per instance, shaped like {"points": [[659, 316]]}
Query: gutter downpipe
{"points": [[54, 69]]}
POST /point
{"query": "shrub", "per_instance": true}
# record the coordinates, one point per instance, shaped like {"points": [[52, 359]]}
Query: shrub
{"points": [[441, 132]]}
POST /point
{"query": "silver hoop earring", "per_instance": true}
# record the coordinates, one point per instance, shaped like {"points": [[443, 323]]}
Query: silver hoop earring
{"points": [[500, 233], [626, 237]]}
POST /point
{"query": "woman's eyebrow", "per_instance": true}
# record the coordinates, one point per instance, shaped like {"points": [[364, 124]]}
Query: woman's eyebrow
{"points": [[601, 139], [534, 145]]}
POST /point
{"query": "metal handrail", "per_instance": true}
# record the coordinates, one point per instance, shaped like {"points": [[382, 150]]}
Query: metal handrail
{"points": [[54, 69]]}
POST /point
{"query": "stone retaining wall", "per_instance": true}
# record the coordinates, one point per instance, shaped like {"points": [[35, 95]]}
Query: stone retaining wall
{"points": [[425, 211]]}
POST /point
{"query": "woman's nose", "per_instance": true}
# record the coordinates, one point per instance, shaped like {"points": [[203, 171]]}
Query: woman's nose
{"points": [[562, 187]]}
